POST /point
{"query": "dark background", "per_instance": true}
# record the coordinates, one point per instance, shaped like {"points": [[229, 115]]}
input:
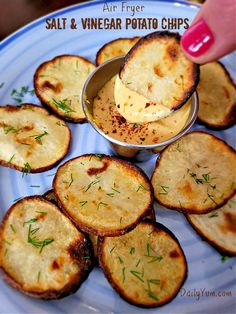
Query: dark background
{"points": [[16, 13]]}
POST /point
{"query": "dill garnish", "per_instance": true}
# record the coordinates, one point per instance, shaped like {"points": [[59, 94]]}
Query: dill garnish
{"points": [[38, 137], [61, 104], [110, 194], [91, 184], [132, 250], [7, 242], [12, 228], [120, 260], [71, 180], [35, 186], [40, 212], [32, 239], [19, 95], [60, 124], [164, 190], [101, 203], [141, 187], [10, 160], [211, 197], [213, 215], [10, 128], [30, 221], [83, 203], [38, 277], [149, 291], [137, 263], [123, 274], [2, 84], [137, 274], [26, 169], [154, 281], [112, 249], [178, 148], [155, 258], [224, 258], [115, 190]]}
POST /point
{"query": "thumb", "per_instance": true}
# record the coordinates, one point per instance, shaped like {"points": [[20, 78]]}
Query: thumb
{"points": [[212, 33]]}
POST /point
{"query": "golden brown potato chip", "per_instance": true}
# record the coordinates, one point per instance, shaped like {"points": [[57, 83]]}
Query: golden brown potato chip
{"points": [[218, 227], [195, 174], [103, 195], [157, 69], [217, 96], [32, 140], [115, 48], [41, 252], [146, 266], [59, 82]]}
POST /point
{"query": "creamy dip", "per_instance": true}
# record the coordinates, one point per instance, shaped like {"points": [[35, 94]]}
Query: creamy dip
{"points": [[112, 123]]}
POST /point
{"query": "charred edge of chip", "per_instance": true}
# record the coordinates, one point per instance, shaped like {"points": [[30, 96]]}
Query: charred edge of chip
{"points": [[150, 214], [157, 226], [162, 34], [211, 242], [103, 233], [111, 42], [190, 210], [50, 196], [41, 169], [230, 118], [43, 101]]}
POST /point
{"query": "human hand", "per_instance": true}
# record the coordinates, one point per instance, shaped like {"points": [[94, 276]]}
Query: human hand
{"points": [[212, 33]]}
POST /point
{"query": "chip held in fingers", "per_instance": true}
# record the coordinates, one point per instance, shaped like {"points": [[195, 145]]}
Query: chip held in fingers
{"points": [[103, 195], [32, 139], [218, 227], [217, 96], [59, 82], [42, 254], [195, 174], [157, 69], [146, 266]]}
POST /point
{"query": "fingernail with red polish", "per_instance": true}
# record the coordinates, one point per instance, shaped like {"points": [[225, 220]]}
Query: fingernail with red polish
{"points": [[197, 39]]}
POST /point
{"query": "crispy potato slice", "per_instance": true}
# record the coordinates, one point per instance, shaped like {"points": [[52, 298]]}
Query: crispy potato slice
{"points": [[103, 195], [146, 266], [50, 196], [42, 253], [32, 140], [115, 48], [157, 69], [195, 174], [217, 96], [218, 227], [59, 82]]}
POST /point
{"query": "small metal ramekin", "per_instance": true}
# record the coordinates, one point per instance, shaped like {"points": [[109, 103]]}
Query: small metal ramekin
{"points": [[94, 83]]}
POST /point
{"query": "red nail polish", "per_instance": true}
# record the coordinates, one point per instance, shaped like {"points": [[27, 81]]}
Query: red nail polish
{"points": [[197, 39]]}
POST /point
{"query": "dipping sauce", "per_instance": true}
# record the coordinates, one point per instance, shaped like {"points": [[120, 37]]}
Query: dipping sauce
{"points": [[136, 108], [112, 123]]}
